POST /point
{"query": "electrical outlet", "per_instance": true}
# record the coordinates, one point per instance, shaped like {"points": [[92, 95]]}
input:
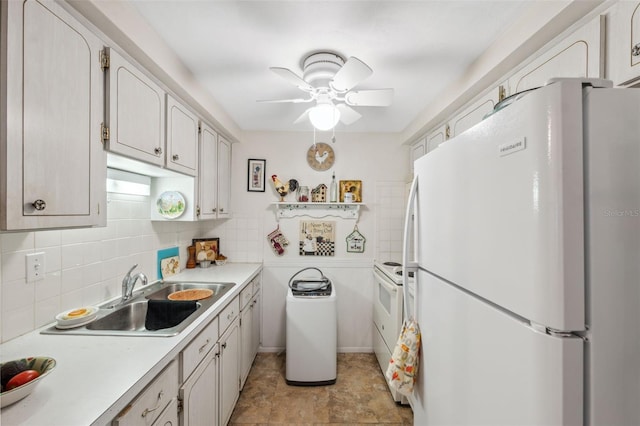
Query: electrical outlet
{"points": [[35, 266]]}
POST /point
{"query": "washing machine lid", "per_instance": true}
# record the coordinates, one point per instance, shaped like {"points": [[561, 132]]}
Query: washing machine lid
{"points": [[311, 287]]}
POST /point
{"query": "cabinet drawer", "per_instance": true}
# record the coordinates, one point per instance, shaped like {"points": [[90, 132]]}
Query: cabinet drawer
{"points": [[169, 416], [195, 352], [229, 314], [256, 284], [147, 406], [245, 295]]}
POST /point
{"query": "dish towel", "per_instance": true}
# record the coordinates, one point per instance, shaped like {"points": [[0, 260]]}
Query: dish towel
{"points": [[402, 371], [167, 313]]}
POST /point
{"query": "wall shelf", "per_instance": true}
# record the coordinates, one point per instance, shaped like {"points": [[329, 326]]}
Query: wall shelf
{"points": [[318, 210]]}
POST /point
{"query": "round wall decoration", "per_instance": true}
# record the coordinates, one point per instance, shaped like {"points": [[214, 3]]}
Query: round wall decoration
{"points": [[320, 156]]}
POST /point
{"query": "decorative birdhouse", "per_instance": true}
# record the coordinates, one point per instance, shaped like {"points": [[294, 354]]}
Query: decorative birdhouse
{"points": [[319, 194]]}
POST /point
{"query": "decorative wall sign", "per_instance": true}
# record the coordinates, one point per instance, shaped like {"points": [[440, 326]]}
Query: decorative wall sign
{"points": [[317, 238], [352, 186], [355, 241], [206, 248], [256, 175]]}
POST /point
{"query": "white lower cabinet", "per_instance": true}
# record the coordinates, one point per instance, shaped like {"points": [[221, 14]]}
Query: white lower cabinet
{"points": [[146, 408], [229, 370], [169, 416], [202, 387], [249, 327], [199, 394]]}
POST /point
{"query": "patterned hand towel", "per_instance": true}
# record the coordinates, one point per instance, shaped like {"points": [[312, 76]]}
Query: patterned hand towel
{"points": [[402, 371]]}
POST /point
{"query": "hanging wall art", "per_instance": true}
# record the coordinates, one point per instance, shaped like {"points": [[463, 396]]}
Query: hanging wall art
{"points": [[355, 241], [317, 238]]}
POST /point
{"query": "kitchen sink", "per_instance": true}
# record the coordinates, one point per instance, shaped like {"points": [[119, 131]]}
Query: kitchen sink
{"points": [[128, 319]]}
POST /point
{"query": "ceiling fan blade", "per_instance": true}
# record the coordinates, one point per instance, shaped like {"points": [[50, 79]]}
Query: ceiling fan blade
{"points": [[278, 101], [302, 117], [347, 114], [292, 78], [379, 97], [351, 73]]}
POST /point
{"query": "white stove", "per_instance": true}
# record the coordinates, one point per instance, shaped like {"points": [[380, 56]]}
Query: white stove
{"points": [[393, 271], [388, 312]]}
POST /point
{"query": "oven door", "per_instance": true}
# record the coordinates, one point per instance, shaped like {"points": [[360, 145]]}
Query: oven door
{"points": [[387, 309], [387, 318]]}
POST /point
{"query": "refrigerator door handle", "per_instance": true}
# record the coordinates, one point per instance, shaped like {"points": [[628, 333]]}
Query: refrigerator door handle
{"points": [[409, 265]]}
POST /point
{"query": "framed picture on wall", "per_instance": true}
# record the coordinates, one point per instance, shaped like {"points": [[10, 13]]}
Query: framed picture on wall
{"points": [[255, 175], [206, 248]]}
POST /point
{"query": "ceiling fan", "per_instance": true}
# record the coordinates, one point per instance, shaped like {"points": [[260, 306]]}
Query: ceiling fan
{"points": [[328, 80]]}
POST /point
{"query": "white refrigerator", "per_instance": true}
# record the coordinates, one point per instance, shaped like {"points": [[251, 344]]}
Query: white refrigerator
{"points": [[527, 252]]}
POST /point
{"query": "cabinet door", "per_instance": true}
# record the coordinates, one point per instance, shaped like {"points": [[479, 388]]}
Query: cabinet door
{"points": [[256, 319], [437, 137], [208, 172], [417, 150], [224, 178], [182, 138], [475, 113], [624, 45], [135, 112], [53, 168], [246, 338], [199, 395], [578, 55], [229, 371]]}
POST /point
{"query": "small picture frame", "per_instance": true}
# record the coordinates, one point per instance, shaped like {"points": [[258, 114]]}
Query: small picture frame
{"points": [[256, 175], [206, 248], [352, 186]]}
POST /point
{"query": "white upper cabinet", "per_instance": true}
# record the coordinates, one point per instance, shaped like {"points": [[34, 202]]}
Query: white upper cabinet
{"points": [[53, 167], [476, 111], [135, 112], [224, 178], [182, 138], [437, 137], [208, 173], [580, 54], [624, 42]]}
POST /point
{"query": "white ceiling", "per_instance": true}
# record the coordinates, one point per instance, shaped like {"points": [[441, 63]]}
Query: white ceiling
{"points": [[417, 48]]}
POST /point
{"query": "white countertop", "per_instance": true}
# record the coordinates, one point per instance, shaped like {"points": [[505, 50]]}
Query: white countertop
{"points": [[96, 376]]}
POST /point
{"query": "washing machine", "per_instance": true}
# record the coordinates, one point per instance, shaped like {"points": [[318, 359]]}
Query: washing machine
{"points": [[311, 334]]}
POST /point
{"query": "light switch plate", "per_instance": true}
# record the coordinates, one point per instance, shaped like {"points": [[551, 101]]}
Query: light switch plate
{"points": [[35, 266]]}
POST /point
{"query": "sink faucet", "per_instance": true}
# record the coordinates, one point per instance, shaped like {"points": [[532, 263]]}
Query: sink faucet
{"points": [[129, 282]]}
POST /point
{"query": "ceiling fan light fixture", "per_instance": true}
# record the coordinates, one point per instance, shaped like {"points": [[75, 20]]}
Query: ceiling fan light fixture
{"points": [[324, 116]]}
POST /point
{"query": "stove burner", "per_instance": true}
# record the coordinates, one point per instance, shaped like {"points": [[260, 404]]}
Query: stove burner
{"points": [[392, 264]]}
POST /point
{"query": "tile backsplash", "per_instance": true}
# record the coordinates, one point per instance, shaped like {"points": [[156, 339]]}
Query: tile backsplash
{"points": [[86, 266]]}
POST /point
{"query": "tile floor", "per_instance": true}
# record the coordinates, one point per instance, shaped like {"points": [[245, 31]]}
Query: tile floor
{"points": [[360, 396]]}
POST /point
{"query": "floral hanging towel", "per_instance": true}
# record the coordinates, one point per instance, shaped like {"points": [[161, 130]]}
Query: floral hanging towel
{"points": [[402, 371]]}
